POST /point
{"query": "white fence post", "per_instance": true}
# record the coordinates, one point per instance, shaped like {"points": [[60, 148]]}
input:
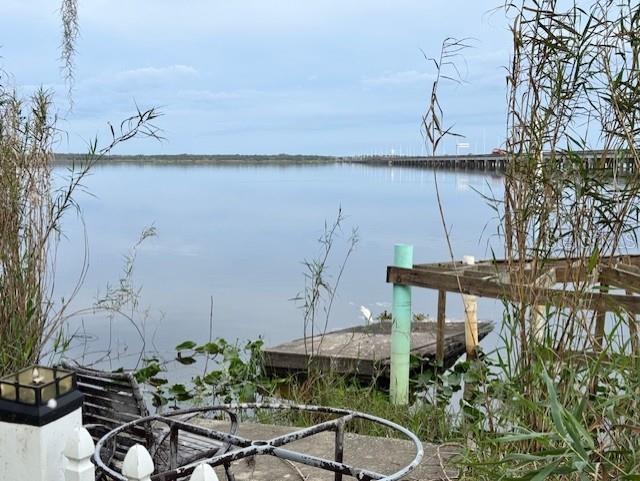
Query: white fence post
{"points": [[138, 465], [77, 456], [203, 472]]}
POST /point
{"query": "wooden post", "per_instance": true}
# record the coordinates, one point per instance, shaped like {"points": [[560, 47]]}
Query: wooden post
{"points": [[539, 322], [600, 318], [470, 330], [401, 330], [470, 317], [598, 337], [173, 447], [77, 456], [633, 329], [442, 307], [137, 464], [203, 472], [539, 312]]}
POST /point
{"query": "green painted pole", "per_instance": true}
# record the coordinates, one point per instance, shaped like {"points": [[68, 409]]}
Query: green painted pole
{"points": [[401, 329]]}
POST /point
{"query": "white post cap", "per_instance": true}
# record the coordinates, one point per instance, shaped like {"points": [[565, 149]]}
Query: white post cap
{"points": [[203, 472], [137, 465], [79, 444]]}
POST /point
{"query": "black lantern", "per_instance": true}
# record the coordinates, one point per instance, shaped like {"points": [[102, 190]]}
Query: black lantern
{"points": [[38, 395]]}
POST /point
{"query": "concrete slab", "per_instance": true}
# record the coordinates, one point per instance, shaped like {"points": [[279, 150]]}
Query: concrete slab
{"points": [[382, 455]]}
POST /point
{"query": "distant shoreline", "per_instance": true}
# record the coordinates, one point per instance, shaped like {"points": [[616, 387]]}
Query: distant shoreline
{"points": [[193, 159], [478, 163]]}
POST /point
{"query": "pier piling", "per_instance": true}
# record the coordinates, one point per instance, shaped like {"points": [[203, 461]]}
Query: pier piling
{"points": [[401, 329]]}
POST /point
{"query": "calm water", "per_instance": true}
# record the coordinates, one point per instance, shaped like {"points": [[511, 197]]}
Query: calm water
{"points": [[240, 234]]}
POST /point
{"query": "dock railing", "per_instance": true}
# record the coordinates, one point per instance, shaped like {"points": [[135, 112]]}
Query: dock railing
{"points": [[490, 279]]}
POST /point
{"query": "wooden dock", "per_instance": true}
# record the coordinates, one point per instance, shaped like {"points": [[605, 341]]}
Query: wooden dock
{"points": [[613, 287], [366, 350]]}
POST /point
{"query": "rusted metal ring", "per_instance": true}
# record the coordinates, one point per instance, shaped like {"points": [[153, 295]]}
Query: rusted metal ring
{"points": [[274, 447]]}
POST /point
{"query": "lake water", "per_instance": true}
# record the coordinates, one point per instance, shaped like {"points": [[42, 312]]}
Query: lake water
{"points": [[239, 234]]}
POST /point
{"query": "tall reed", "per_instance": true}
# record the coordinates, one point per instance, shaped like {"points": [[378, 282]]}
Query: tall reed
{"points": [[560, 399], [29, 218], [31, 212]]}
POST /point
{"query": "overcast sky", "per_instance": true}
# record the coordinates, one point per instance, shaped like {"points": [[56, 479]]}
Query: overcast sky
{"points": [[264, 76]]}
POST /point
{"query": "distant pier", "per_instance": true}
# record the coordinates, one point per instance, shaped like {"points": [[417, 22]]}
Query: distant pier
{"points": [[592, 159], [489, 162]]}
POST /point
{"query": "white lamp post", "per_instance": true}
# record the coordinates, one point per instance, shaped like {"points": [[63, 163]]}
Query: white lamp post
{"points": [[39, 407]]}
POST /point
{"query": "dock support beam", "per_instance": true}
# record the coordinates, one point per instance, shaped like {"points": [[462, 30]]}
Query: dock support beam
{"points": [[442, 307], [401, 329], [470, 331], [470, 317]]}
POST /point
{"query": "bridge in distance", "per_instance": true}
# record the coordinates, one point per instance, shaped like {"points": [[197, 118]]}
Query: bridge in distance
{"points": [[494, 162]]}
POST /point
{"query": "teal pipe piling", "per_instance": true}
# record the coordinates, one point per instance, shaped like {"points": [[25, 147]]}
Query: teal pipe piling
{"points": [[401, 329]]}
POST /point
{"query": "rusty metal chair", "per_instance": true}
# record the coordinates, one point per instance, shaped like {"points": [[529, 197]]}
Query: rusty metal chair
{"points": [[114, 399]]}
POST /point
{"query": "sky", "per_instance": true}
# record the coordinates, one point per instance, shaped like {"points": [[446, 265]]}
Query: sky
{"points": [[331, 77]]}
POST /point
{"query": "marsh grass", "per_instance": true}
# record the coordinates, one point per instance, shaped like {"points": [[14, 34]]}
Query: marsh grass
{"points": [[32, 209], [561, 401], [29, 219], [428, 421]]}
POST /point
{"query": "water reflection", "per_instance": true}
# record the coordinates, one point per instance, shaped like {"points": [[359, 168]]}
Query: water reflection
{"points": [[240, 232]]}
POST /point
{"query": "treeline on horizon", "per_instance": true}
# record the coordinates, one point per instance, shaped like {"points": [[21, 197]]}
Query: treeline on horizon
{"points": [[197, 158]]}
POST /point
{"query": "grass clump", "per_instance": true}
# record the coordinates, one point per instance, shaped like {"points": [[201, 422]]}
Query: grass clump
{"points": [[427, 421], [29, 221], [32, 207], [559, 399]]}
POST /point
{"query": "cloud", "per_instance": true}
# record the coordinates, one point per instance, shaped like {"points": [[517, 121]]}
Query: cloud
{"points": [[145, 73], [405, 77], [142, 82], [208, 95], [262, 75]]}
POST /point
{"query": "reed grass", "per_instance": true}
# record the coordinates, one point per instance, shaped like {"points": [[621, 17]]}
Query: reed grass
{"points": [[560, 401], [28, 220], [31, 214]]}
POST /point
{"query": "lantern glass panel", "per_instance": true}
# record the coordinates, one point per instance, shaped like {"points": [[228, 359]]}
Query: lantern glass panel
{"points": [[27, 395], [66, 383], [25, 377], [48, 392], [7, 391]]}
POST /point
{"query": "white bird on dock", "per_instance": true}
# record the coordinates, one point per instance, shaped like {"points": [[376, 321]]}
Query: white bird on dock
{"points": [[366, 313]]}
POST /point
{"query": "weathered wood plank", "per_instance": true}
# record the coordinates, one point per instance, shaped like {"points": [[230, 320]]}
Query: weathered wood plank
{"points": [[620, 277], [135, 431], [564, 266], [121, 397], [365, 350], [492, 289], [111, 383], [111, 404], [90, 406]]}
